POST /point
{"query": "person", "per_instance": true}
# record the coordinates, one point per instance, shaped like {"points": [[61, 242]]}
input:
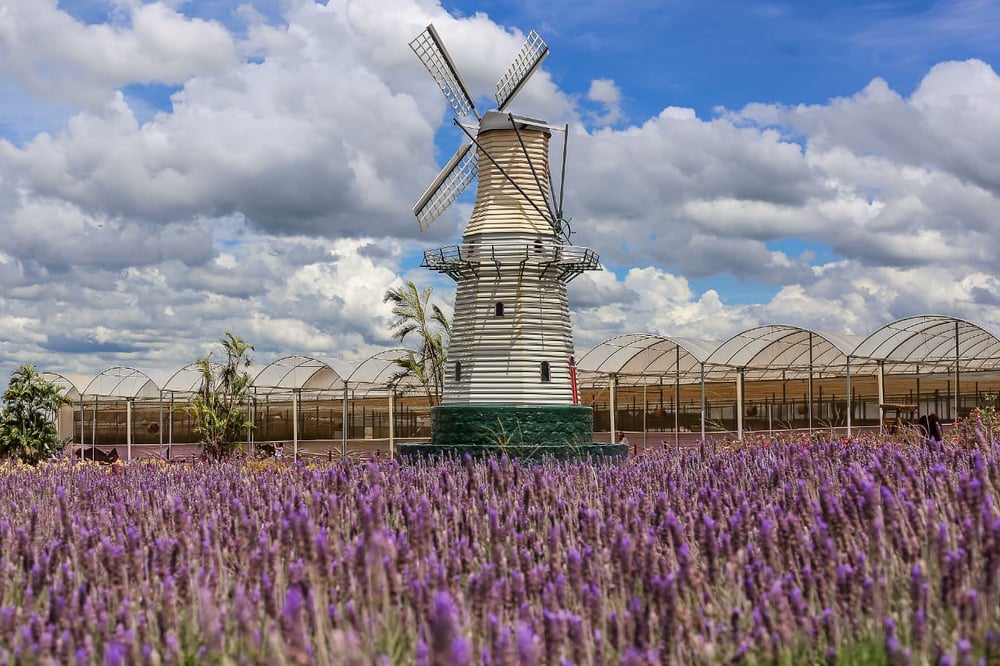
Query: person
{"points": [[279, 450], [930, 425], [937, 430], [621, 439]]}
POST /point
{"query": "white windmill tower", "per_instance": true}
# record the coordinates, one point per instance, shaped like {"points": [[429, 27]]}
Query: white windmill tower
{"points": [[511, 377]]}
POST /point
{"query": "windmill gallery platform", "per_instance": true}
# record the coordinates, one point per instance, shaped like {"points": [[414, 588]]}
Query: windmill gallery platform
{"points": [[510, 386]]}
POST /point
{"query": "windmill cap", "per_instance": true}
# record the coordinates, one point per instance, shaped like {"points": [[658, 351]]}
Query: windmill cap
{"points": [[499, 120]]}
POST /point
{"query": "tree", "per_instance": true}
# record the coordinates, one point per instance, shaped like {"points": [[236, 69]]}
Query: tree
{"points": [[416, 314], [27, 423], [221, 418]]}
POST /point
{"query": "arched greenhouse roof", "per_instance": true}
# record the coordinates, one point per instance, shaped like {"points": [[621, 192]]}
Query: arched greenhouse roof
{"points": [[933, 340], [638, 354], [121, 382], [784, 351], [777, 348], [187, 380], [69, 389], [297, 373], [382, 371]]}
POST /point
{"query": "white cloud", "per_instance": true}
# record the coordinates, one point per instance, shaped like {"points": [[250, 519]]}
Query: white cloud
{"points": [[56, 56], [609, 96], [649, 300]]}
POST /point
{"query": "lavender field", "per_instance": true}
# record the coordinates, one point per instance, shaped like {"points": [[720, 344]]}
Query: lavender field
{"points": [[856, 553]]}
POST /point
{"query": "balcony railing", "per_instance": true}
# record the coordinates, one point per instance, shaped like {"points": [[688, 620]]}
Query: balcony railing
{"points": [[464, 261]]}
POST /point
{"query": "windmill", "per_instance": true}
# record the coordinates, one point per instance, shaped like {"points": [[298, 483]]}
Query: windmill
{"points": [[511, 377]]}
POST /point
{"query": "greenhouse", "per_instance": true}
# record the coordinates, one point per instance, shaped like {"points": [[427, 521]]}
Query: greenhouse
{"points": [[661, 391], [775, 377]]}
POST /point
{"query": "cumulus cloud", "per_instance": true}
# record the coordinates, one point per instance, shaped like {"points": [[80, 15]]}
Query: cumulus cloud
{"points": [[899, 191], [54, 55], [609, 96], [649, 300]]}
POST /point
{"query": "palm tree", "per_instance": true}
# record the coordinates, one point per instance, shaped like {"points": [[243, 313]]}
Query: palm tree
{"points": [[416, 314], [219, 409], [27, 428]]}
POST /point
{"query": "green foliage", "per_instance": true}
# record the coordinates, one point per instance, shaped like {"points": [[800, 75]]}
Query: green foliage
{"points": [[981, 427], [504, 440], [220, 409], [27, 428], [417, 315]]}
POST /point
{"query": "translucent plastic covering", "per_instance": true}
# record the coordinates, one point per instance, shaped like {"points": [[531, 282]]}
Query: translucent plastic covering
{"points": [[767, 351], [381, 371], [929, 340], [912, 344], [781, 348], [647, 355], [187, 380], [120, 382], [69, 389], [297, 373]]}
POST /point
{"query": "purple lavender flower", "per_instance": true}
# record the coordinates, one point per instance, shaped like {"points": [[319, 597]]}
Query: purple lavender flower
{"points": [[444, 630], [293, 628], [964, 650], [527, 647], [115, 654]]}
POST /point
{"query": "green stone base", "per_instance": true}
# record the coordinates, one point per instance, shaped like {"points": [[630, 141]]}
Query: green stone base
{"points": [[563, 432]]}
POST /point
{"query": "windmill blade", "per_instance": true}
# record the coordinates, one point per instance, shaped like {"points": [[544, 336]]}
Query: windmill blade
{"points": [[456, 175], [431, 51], [551, 217], [562, 176], [524, 65]]}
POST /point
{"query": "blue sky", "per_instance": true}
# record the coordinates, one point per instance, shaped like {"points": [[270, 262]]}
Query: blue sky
{"points": [[717, 53], [172, 170]]}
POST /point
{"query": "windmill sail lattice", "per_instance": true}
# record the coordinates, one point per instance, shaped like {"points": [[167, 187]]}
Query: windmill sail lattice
{"points": [[456, 176], [431, 51], [461, 169], [528, 59]]}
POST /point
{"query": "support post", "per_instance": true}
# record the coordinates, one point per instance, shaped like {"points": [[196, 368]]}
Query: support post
{"points": [[810, 409], [958, 394], [128, 428], [170, 426], [159, 428], [613, 407], [702, 401], [343, 427], [644, 409], [739, 404], [251, 419], [392, 421], [295, 424], [880, 381], [677, 398], [850, 407]]}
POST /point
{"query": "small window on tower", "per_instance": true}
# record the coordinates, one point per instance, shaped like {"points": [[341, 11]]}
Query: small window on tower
{"points": [[498, 309], [546, 374], [458, 371]]}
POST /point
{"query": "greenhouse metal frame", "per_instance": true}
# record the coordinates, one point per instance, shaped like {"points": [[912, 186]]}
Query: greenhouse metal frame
{"points": [[938, 343], [939, 349]]}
